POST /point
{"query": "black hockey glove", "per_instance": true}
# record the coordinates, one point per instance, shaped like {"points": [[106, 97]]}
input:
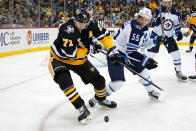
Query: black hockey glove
{"points": [[186, 34], [161, 39], [179, 35], [95, 48], [149, 63], [113, 55], [158, 21]]}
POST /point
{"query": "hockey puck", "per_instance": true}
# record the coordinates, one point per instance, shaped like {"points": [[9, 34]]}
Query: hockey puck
{"points": [[106, 118]]}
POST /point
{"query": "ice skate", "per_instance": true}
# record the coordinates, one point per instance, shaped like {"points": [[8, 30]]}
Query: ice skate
{"points": [[189, 50], [192, 78], [157, 96], [107, 103], [84, 116], [180, 76], [111, 104], [92, 102]]}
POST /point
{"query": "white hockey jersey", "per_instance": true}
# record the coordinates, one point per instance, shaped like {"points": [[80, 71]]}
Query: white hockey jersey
{"points": [[171, 23], [130, 37]]}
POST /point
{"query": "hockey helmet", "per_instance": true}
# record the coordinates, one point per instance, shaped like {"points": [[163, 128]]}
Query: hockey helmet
{"points": [[146, 13], [136, 15], [81, 15]]}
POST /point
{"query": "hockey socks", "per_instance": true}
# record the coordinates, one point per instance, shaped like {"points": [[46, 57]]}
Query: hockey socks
{"points": [[113, 86], [177, 63], [74, 97], [100, 94]]}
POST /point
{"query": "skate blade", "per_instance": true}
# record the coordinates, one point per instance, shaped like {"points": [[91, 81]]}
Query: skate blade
{"points": [[192, 80], [181, 80], [86, 121]]}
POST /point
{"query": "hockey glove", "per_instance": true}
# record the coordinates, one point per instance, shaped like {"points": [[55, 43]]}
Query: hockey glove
{"points": [[158, 21], [95, 48], [179, 35], [113, 55], [149, 63], [161, 39], [186, 34]]}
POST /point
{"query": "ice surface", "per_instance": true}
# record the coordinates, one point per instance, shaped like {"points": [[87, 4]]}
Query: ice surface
{"points": [[31, 101]]}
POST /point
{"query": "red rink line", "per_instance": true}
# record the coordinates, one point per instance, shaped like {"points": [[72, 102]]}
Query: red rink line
{"points": [[22, 82], [44, 120]]}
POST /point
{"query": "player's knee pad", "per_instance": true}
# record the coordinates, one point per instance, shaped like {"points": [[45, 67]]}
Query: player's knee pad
{"points": [[114, 86], [146, 75], [98, 82], [64, 80]]}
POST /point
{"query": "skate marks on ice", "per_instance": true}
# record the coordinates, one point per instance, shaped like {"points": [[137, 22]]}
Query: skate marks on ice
{"points": [[135, 111]]}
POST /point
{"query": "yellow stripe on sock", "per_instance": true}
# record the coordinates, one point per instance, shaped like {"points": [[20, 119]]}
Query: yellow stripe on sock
{"points": [[69, 91], [100, 91], [73, 99]]}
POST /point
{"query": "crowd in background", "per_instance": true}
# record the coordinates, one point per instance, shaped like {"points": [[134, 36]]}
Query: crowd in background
{"points": [[50, 13]]}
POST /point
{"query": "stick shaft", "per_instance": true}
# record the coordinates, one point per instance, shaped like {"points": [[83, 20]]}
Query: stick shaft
{"points": [[131, 70]]}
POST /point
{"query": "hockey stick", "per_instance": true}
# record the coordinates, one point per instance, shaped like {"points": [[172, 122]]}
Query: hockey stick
{"points": [[161, 18], [131, 70]]}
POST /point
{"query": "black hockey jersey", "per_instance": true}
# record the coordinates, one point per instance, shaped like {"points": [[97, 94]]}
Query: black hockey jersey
{"points": [[192, 27], [71, 46]]}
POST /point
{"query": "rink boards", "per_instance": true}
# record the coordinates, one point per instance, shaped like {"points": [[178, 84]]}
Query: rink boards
{"points": [[23, 40]]}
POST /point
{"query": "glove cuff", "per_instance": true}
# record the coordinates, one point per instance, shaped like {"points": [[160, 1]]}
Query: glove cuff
{"points": [[146, 58], [112, 51]]}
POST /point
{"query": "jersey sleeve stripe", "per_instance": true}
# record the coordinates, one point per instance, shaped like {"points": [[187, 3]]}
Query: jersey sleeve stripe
{"points": [[132, 45]]}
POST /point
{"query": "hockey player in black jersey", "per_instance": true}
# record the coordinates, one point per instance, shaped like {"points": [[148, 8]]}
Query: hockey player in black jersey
{"points": [[170, 23], [69, 52], [192, 27], [192, 21]]}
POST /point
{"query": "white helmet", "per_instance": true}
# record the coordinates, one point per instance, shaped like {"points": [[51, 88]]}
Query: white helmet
{"points": [[136, 15], [146, 13]]}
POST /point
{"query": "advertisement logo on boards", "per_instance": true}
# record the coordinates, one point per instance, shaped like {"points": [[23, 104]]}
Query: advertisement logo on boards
{"points": [[29, 37]]}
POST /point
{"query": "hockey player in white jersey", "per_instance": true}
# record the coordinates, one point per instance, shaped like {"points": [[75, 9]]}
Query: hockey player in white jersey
{"points": [[170, 23], [130, 37]]}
